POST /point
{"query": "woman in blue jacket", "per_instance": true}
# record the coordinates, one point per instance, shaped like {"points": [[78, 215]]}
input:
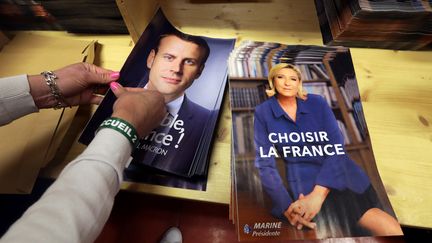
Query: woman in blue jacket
{"points": [[302, 129]]}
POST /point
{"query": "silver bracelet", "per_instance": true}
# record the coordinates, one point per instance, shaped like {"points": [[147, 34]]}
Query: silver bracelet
{"points": [[50, 79]]}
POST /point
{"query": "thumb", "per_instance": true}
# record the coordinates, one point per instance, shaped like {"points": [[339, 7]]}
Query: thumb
{"points": [[117, 88], [301, 196]]}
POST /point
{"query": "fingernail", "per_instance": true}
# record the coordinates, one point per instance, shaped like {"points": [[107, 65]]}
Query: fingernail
{"points": [[115, 75], [114, 86]]}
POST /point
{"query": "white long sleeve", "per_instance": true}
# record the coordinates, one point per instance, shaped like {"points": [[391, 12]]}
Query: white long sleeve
{"points": [[15, 98], [77, 205]]}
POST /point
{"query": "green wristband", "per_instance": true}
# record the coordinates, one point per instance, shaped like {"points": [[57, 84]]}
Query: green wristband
{"points": [[122, 127]]}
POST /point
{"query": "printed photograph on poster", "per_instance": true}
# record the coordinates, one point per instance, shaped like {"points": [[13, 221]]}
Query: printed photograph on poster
{"points": [[303, 163], [191, 73]]}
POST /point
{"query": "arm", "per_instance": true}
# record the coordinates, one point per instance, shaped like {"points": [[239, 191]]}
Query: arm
{"points": [[77, 205], [332, 173], [15, 99], [337, 171], [21, 95], [307, 207], [270, 177]]}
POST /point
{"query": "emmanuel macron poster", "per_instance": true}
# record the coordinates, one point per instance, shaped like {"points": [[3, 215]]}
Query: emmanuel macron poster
{"points": [[191, 73]]}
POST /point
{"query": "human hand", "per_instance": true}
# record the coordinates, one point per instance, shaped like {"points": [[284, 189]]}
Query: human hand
{"points": [[301, 212], [294, 214], [143, 109], [76, 83], [306, 207]]}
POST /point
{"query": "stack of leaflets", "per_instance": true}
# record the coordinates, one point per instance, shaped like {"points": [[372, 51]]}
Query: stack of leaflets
{"points": [[311, 176], [279, 163], [191, 73], [89, 16], [391, 24]]}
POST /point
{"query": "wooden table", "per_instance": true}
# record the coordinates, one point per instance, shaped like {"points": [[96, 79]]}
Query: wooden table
{"points": [[395, 88]]}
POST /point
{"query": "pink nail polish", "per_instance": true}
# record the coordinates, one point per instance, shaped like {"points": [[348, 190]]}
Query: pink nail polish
{"points": [[114, 86], [115, 75]]}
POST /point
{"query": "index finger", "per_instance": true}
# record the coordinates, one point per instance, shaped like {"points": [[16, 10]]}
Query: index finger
{"points": [[293, 218], [303, 221]]}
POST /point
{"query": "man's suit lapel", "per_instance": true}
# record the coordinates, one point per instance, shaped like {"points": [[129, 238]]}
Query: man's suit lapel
{"points": [[186, 113]]}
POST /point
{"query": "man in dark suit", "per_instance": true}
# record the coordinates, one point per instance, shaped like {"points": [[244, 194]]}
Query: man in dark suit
{"points": [[174, 64]]}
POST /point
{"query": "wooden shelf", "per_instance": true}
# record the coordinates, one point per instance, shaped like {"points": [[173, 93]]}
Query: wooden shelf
{"points": [[265, 80], [243, 109], [248, 79], [316, 80], [246, 157], [351, 147]]}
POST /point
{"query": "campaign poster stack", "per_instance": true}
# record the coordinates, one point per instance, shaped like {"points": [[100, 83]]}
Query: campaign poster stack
{"points": [[401, 25], [175, 154], [326, 71]]}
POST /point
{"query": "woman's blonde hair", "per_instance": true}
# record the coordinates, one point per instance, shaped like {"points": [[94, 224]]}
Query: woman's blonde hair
{"points": [[275, 69]]}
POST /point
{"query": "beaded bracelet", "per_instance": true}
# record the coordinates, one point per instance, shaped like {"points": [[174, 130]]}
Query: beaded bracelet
{"points": [[123, 127], [50, 79]]}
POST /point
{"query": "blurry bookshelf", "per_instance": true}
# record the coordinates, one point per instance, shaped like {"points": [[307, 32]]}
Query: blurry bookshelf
{"points": [[76, 16], [327, 71], [390, 24]]}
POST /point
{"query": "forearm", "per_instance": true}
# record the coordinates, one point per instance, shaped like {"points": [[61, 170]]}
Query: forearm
{"points": [[275, 188], [41, 92], [320, 192], [15, 98], [269, 174], [77, 205]]}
